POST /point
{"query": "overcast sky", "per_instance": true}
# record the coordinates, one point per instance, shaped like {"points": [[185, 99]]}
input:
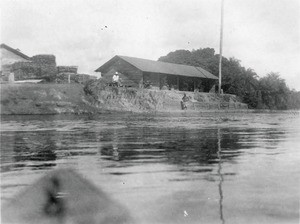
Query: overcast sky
{"points": [[263, 34]]}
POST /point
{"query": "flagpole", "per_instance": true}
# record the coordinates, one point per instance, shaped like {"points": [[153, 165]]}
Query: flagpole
{"points": [[221, 46]]}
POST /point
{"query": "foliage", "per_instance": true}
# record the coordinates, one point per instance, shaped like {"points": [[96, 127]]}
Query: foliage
{"points": [[269, 92], [274, 91], [294, 100]]}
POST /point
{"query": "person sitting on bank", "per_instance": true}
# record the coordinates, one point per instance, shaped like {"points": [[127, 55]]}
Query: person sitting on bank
{"points": [[183, 102], [116, 79]]}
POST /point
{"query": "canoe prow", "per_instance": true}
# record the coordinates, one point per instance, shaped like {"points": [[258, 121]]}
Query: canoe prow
{"points": [[63, 196]]}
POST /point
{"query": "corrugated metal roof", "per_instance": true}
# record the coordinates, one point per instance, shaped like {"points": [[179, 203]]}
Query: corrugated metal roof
{"points": [[146, 65]]}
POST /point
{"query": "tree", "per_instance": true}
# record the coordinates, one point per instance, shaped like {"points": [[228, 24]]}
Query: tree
{"points": [[269, 92], [235, 78], [294, 100], [178, 57], [274, 91]]}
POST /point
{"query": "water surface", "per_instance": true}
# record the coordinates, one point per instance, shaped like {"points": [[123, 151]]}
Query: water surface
{"points": [[183, 168]]}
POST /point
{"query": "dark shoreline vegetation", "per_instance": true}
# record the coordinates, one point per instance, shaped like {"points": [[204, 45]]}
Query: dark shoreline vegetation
{"points": [[268, 92]]}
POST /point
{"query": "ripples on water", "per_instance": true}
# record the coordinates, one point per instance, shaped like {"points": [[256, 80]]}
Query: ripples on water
{"points": [[182, 168]]}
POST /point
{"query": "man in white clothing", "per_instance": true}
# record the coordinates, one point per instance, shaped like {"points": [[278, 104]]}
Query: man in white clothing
{"points": [[115, 79]]}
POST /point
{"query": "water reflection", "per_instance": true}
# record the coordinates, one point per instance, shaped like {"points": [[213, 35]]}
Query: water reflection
{"points": [[22, 147], [220, 176], [193, 150], [168, 161], [33, 147], [183, 147]]}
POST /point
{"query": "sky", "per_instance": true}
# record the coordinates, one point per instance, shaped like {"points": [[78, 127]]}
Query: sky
{"points": [[263, 34]]}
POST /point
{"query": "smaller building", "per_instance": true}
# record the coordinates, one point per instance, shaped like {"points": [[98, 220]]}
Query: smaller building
{"points": [[42, 67], [142, 73], [9, 56]]}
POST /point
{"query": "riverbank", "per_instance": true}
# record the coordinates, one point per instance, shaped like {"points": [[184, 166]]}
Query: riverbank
{"points": [[131, 99], [30, 98]]}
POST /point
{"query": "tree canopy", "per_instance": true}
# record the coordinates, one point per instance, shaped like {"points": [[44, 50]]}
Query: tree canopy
{"points": [[268, 92]]}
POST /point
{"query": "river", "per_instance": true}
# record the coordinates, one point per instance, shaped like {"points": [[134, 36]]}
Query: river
{"points": [[209, 167]]}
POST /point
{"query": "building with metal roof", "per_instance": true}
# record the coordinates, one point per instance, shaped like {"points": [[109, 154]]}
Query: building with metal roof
{"points": [[140, 72]]}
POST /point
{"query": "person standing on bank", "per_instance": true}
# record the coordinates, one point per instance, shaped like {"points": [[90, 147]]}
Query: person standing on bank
{"points": [[183, 102], [116, 79]]}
